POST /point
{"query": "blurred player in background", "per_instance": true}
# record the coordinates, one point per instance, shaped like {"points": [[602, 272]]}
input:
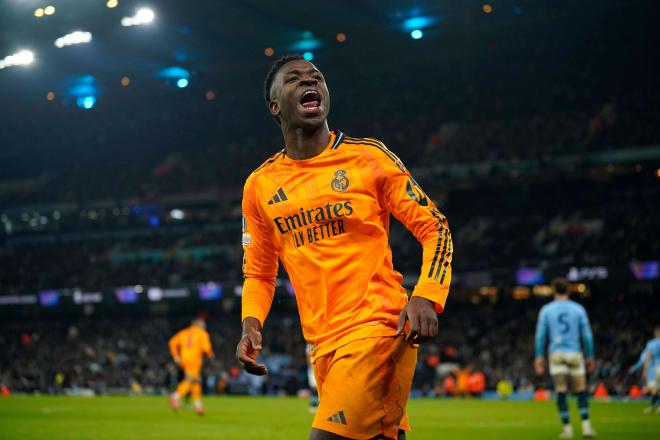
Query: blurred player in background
{"points": [[462, 380], [188, 348], [322, 206], [651, 371], [563, 322]]}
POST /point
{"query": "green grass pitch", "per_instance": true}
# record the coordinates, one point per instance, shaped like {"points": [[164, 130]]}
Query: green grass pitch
{"points": [[245, 418]]}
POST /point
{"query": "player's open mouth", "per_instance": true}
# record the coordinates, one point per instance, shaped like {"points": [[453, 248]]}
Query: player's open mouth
{"points": [[310, 101]]}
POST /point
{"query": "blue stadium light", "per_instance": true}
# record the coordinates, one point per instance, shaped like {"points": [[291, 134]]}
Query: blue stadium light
{"points": [[306, 43], [82, 86], [416, 34], [174, 72], [310, 44], [308, 56], [86, 102], [181, 83], [417, 23]]}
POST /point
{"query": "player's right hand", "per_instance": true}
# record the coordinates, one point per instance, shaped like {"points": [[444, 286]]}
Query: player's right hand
{"points": [[590, 364], [177, 360], [539, 365], [249, 348]]}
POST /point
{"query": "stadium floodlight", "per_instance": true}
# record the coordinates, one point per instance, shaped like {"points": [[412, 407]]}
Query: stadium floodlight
{"points": [[76, 37], [22, 58], [177, 214], [112, 3], [308, 56], [142, 16], [49, 10], [86, 102], [145, 15], [182, 83], [416, 34]]}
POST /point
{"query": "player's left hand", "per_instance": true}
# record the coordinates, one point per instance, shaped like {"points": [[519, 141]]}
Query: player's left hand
{"points": [[423, 320], [539, 365], [590, 364]]}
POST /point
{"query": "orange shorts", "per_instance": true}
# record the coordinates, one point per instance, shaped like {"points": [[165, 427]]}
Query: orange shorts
{"points": [[191, 369], [363, 388]]}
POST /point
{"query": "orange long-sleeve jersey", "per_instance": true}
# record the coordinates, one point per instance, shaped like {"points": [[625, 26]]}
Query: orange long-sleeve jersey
{"points": [[190, 345], [327, 219]]}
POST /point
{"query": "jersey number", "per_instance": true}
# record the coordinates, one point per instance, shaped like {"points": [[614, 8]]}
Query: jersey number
{"points": [[565, 327]]}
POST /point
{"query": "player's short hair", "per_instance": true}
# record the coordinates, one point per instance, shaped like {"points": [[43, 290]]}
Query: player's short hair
{"points": [[560, 286], [274, 68]]}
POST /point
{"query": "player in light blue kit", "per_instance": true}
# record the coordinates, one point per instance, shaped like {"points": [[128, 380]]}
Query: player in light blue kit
{"points": [[564, 322], [640, 362], [651, 371]]}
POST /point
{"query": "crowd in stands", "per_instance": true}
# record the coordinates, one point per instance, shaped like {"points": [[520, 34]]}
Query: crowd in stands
{"points": [[510, 227], [492, 336], [188, 152], [168, 259]]}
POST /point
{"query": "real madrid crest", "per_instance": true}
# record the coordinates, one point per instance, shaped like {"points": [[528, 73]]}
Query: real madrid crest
{"points": [[340, 182]]}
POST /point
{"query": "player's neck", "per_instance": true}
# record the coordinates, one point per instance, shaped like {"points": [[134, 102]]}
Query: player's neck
{"points": [[301, 144]]}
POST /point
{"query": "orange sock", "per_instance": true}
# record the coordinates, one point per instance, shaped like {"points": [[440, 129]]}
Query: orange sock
{"points": [[183, 388], [196, 390]]}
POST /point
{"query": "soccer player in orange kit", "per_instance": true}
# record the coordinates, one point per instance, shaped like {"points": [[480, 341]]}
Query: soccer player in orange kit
{"points": [[188, 348], [322, 207]]}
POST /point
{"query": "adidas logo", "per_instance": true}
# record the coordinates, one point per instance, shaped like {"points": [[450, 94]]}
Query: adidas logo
{"points": [[338, 417], [278, 197]]}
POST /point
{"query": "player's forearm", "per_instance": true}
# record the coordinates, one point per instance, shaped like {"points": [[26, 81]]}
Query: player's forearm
{"points": [[251, 324], [589, 344], [257, 298], [538, 351], [539, 342], [589, 349], [435, 276], [640, 362]]}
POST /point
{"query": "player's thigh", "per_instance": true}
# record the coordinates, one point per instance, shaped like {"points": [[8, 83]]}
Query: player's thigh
{"points": [[577, 372], [192, 372], [560, 382], [364, 387], [578, 383]]}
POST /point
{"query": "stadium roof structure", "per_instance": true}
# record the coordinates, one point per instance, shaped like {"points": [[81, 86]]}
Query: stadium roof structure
{"points": [[214, 39], [199, 65]]}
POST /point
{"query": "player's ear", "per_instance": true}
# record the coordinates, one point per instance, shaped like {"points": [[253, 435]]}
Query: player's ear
{"points": [[274, 107]]}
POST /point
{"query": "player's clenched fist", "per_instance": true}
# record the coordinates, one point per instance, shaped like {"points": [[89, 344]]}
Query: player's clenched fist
{"points": [[423, 320], [249, 347]]}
